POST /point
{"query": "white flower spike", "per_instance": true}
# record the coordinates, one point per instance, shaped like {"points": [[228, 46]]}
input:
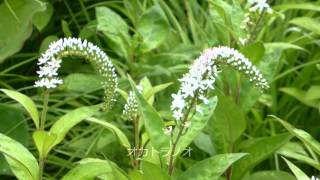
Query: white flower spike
{"points": [[50, 62], [202, 75]]}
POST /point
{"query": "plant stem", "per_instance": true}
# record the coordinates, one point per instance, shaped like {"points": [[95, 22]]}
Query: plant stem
{"points": [[136, 142], [174, 145], [45, 109], [41, 167]]}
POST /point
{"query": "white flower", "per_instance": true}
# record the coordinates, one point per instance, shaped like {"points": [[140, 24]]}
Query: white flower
{"points": [[130, 111], [314, 178], [260, 6], [178, 101], [203, 72], [50, 62]]}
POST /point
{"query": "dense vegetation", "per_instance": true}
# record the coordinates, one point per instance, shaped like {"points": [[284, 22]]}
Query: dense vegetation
{"points": [[160, 89]]}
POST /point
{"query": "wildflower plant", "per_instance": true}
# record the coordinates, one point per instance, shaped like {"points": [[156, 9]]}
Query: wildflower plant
{"points": [[201, 78], [255, 11]]}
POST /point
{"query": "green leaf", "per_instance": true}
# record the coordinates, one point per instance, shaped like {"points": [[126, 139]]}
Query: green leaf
{"points": [[15, 24], [114, 28], [302, 6], [211, 168], [21, 161], [154, 90], [14, 126], [307, 23], [153, 27], [121, 136], [152, 121], [313, 93], [65, 29], [44, 142], [41, 19], [61, 127], [198, 122], [296, 151], [284, 46], [300, 175], [77, 82], [203, 142], [300, 95], [152, 171], [301, 135], [270, 175], [26, 102], [229, 121], [254, 52], [88, 169], [258, 149], [46, 42]]}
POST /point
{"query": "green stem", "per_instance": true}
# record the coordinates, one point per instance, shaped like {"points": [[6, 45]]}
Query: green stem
{"points": [[41, 167], [136, 142], [45, 109], [180, 133]]}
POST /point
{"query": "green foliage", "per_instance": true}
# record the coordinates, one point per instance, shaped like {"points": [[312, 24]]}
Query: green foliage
{"points": [[26, 102], [211, 168], [21, 161]]}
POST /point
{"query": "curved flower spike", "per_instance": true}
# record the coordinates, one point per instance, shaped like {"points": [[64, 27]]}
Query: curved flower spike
{"points": [[50, 62], [203, 72]]}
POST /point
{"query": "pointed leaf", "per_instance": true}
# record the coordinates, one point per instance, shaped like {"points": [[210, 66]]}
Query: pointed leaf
{"points": [[152, 121], [211, 168], [44, 142], [66, 122], [300, 175], [258, 149], [121, 136], [26, 102], [21, 161]]}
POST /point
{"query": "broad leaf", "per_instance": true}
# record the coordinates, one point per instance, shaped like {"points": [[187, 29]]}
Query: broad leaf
{"points": [[77, 82], [88, 169], [41, 19], [44, 142], [15, 24], [21, 161], [258, 149], [153, 28], [114, 28], [152, 121], [61, 127], [152, 171], [229, 122], [14, 126], [211, 168], [270, 175], [26, 102], [121, 136]]}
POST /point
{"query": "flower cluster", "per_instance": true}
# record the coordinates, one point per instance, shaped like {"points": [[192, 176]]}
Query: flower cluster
{"points": [[50, 62], [260, 6], [251, 17], [130, 111], [203, 72]]}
